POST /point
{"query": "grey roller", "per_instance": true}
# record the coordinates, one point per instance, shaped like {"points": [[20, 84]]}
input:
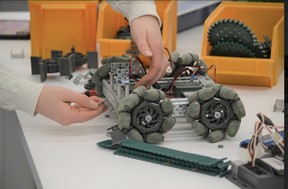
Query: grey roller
{"points": [[228, 93], [195, 57], [213, 85], [162, 95], [103, 71], [124, 120], [106, 60], [168, 124], [203, 68], [199, 128], [95, 79], [152, 95], [166, 106], [99, 89], [233, 127], [193, 97], [120, 59], [189, 119], [110, 59], [185, 59], [131, 101], [134, 134], [174, 56], [205, 94], [215, 136], [126, 56], [139, 90], [193, 109], [202, 64], [154, 138], [238, 109]]}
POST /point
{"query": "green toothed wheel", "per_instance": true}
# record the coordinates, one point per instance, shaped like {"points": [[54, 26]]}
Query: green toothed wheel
{"points": [[231, 49], [230, 30]]}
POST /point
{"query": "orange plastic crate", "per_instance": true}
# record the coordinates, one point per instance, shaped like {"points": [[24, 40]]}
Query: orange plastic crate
{"points": [[109, 22], [262, 19], [60, 25]]}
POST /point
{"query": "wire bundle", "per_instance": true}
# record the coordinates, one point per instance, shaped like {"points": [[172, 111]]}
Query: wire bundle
{"points": [[256, 142]]}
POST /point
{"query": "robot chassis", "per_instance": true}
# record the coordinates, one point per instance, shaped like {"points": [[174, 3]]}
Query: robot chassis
{"points": [[144, 115]]}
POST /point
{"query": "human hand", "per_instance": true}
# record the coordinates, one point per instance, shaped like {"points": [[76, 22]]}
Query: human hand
{"points": [[145, 32], [55, 103]]}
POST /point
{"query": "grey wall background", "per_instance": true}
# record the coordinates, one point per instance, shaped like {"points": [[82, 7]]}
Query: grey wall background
{"points": [[13, 5], [1, 152]]}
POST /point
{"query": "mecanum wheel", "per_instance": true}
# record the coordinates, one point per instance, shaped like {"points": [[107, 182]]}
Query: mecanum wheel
{"points": [[145, 115], [215, 111]]}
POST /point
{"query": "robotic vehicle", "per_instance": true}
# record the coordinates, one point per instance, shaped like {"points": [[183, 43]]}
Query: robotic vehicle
{"points": [[145, 115]]}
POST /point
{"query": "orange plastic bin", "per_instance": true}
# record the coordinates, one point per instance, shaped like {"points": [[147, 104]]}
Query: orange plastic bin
{"points": [[60, 25], [262, 19], [110, 21]]}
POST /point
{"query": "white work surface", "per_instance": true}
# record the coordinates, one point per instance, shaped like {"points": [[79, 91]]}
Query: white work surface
{"points": [[67, 157]]}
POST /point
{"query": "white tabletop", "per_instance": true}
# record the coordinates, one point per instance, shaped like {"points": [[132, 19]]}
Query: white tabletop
{"points": [[67, 157]]}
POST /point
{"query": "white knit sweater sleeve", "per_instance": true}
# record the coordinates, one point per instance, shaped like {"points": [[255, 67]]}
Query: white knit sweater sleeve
{"points": [[18, 93], [135, 9]]}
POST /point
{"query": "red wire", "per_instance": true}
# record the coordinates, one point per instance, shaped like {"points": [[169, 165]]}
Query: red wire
{"points": [[176, 77], [214, 73]]}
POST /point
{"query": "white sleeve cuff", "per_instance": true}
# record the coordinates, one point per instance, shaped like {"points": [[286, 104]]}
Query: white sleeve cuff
{"points": [[135, 9], [18, 92]]}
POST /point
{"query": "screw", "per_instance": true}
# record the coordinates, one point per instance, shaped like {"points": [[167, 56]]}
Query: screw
{"points": [[148, 118], [217, 115]]}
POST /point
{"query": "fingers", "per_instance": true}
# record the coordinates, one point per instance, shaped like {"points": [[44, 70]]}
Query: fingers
{"points": [[154, 74], [95, 98], [80, 113], [85, 115], [55, 103], [81, 99], [139, 34], [146, 34], [77, 115], [141, 41]]}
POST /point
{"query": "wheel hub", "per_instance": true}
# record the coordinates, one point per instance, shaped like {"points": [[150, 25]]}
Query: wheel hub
{"points": [[147, 117], [216, 113]]}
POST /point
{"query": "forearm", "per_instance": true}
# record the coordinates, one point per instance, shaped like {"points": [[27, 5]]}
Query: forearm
{"points": [[16, 92], [135, 9]]}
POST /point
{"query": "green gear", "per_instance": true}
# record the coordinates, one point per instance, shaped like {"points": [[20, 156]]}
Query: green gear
{"points": [[225, 30], [231, 49]]}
